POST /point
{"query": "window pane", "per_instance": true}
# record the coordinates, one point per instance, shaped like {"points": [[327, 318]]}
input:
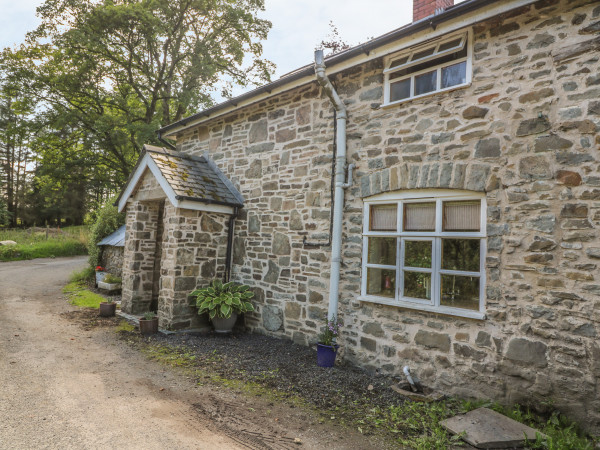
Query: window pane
{"points": [[423, 53], [382, 251], [417, 285], [381, 282], [399, 61], [384, 218], [460, 292], [462, 216], [419, 216], [426, 83], [417, 253], [448, 45], [400, 90], [461, 254], [454, 75]]}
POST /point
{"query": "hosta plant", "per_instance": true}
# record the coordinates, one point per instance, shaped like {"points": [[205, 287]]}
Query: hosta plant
{"points": [[222, 299]]}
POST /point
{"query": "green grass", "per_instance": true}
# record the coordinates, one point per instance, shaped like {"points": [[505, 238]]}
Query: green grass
{"points": [[32, 243], [80, 296], [86, 275]]}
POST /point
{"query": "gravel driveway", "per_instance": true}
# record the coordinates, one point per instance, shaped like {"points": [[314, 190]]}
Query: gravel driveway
{"points": [[64, 387]]}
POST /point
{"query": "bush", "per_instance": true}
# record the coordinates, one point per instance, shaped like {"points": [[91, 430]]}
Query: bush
{"points": [[108, 219]]}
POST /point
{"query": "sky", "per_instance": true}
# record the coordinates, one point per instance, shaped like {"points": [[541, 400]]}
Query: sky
{"points": [[298, 26]]}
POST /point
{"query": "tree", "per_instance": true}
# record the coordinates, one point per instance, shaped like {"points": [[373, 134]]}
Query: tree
{"points": [[4, 214], [333, 41], [120, 69]]}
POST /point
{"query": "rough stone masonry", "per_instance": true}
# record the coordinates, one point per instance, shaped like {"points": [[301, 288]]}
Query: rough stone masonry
{"points": [[524, 132]]}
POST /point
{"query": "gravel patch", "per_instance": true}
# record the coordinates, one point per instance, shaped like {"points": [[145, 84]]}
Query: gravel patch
{"points": [[288, 368]]}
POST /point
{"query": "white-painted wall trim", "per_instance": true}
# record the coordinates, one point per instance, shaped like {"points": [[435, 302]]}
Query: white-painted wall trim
{"points": [[450, 26]]}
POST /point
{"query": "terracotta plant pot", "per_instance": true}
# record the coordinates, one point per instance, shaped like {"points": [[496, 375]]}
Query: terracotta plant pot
{"points": [[149, 326], [224, 326], [107, 309]]}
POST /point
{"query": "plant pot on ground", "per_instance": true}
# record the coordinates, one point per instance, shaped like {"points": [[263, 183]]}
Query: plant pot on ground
{"points": [[149, 324], [108, 308], [223, 302], [326, 346]]}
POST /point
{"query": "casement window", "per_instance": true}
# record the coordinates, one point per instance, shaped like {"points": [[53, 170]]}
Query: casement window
{"points": [[435, 67], [426, 250]]}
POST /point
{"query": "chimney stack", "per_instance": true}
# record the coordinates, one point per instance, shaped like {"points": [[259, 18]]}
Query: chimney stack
{"points": [[426, 8]]}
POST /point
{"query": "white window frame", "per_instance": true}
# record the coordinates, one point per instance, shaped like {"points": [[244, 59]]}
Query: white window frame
{"points": [[467, 42], [421, 196]]}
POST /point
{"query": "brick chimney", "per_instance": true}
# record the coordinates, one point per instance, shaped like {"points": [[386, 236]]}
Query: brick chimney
{"points": [[426, 8]]}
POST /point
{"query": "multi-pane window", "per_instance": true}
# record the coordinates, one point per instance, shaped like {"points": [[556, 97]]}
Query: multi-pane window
{"points": [[426, 252], [437, 66]]}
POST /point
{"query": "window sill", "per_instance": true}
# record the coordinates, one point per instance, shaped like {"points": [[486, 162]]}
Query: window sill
{"points": [[427, 308], [429, 94]]}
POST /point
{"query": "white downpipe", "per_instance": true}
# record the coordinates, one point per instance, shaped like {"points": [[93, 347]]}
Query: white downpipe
{"points": [[340, 178]]}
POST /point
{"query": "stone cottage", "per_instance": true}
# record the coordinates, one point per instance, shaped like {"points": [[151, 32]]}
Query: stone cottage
{"points": [[462, 151]]}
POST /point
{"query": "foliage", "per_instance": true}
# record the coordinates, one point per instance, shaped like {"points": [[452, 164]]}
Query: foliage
{"points": [[85, 275], [80, 296], [107, 222], [222, 299], [333, 41], [5, 215], [149, 315], [330, 332], [111, 279]]}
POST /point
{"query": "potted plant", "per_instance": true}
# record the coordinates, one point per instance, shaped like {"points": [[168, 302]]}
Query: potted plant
{"points": [[108, 308], [326, 345], [223, 302], [110, 283], [149, 323]]}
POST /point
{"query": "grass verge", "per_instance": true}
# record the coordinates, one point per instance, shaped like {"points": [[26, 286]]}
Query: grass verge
{"points": [[79, 295], [31, 244]]}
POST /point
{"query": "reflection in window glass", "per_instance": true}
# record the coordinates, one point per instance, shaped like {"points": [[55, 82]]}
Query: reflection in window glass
{"points": [[426, 83], [381, 282], [461, 254], [460, 292], [448, 45], [382, 251], [454, 75], [417, 254], [419, 216], [417, 285], [384, 218], [400, 90], [399, 61], [423, 53]]}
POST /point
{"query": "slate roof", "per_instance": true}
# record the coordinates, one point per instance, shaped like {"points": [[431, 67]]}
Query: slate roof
{"points": [[194, 178], [116, 239]]}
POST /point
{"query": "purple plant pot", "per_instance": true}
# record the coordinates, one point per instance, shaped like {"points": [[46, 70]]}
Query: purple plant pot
{"points": [[326, 355]]}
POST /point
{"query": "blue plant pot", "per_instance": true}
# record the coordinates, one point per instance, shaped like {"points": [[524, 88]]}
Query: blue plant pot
{"points": [[326, 355]]}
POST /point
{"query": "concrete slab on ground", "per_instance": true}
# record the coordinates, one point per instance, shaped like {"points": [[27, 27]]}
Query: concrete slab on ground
{"points": [[484, 428]]}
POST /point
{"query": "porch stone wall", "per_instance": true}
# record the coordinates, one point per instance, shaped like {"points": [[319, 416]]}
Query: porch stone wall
{"points": [[140, 246], [525, 132], [194, 250]]}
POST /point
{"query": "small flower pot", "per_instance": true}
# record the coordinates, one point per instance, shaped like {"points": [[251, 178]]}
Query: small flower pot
{"points": [[149, 326], [107, 309], [326, 355], [224, 326]]}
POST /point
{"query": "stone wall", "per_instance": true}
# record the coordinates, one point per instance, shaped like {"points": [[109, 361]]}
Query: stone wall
{"points": [[525, 132], [112, 259]]}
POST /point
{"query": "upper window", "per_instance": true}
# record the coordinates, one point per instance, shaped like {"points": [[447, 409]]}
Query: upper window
{"points": [[426, 251], [438, 66]]}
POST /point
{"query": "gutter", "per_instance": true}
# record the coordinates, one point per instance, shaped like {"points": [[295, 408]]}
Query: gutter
{"points": [[340, 184], [427, 23]]}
